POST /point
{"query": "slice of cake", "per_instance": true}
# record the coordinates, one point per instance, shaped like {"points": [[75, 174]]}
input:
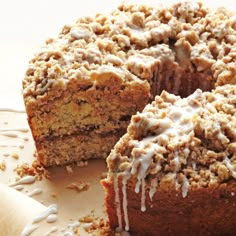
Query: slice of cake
{"points": [[81, 88], [173, 172]]}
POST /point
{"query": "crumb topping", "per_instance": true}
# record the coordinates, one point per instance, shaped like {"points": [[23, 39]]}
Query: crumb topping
{"points": [[135, 41], [181, 143]]}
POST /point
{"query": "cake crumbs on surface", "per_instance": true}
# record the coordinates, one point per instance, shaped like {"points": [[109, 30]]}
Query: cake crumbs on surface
{"points": [[98, 228], [3, 165], [15, 155], [95, 225], [78, 186], [35, 169], [90, 217]]}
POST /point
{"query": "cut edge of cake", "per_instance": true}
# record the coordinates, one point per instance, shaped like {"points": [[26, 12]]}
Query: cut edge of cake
{"points": [[181, 151]]}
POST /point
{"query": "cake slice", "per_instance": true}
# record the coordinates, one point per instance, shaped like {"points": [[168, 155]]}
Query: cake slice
{"points": [[173, 172]]}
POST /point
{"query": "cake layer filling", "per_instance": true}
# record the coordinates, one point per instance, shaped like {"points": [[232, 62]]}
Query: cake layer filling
{"points": [[68, 148]]}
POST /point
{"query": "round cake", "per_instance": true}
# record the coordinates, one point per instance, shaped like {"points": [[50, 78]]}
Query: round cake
{"points": [[82, 89]]}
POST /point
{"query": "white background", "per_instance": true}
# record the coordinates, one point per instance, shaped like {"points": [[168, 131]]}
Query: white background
{"points": [[26, 24]]}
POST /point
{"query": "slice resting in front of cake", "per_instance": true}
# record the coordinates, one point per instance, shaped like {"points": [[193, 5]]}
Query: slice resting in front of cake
{"points": [[173, 172]]}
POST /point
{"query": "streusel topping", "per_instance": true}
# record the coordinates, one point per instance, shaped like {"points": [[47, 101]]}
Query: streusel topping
{"points": [[140, 40], [178, 140]]}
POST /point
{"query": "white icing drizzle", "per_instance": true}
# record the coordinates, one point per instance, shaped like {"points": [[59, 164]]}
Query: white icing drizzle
{"points": [[87, 226], [51, 218], [125, 202], [52, 209], [153, 188], [36, 191], [25, 180], [177, 162], [117, 202], [177, 123], [142, 164], [185, 186], [143, 196], [137, 186], [230, 167], [29, 229], [194, 165], [80, 34], [19, 187], [74, 225], [52, 230], [67, 234], [50, 213]]}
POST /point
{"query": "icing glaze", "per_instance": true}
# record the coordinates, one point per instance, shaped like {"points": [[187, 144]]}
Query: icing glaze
{"points": [[52, 209], [29, 229], [36, 191], [49, 214], [51, 218], [52, 230], [125, 203], [118, 203], [25, 180]]}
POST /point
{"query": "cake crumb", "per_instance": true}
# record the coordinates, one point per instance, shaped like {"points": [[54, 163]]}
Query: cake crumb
{"points": [[88, 218], [35, 169], [78, 186], [40, 170], [98, 227], [3, 165], [95, 225], [24, 169], [54, 195], [15, 155]]}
